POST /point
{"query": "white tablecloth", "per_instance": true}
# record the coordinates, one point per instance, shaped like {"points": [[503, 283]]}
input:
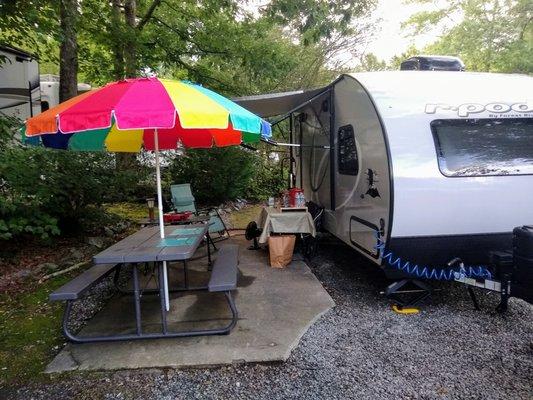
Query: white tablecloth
{"points": [[272, 220]]}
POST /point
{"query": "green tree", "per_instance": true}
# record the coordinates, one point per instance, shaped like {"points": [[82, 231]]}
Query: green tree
{"points": [[287, 45], [489, 35], [215, 175], [369, 62], [395, 62], [314, 20], [217, 43], [32, 25]]}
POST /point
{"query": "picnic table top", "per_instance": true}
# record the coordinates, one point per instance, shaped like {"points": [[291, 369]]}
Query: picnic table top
{"points": [[146, 245], [193, 219]]}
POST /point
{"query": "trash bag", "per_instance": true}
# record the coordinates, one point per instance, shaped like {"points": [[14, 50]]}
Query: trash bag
{"points": [[281, 248]]}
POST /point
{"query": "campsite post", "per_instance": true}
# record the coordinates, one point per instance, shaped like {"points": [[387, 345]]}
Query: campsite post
{"points": [[160, 212]]}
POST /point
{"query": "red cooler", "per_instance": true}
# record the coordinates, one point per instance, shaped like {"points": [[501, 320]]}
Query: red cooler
{"points": [[293, 194]]}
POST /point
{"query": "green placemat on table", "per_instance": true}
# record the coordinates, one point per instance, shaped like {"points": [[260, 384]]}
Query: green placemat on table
{"points": [[186, 231], [169, 242]]}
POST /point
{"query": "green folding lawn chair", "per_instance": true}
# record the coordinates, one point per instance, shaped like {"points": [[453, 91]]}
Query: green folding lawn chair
{"points": [[183, 200]]}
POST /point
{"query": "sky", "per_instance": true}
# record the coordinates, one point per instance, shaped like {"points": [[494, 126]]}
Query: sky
{"points": [[389, 40]]}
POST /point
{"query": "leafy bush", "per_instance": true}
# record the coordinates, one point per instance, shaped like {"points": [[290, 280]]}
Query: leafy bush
{"points": [[43, 191], [269, 178], [215, 175], [220, 174], [18, 217], [7, 127], [18, 214], [63, 183]]}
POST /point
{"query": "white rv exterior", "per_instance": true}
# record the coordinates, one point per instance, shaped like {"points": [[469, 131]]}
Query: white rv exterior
{"points": [[19, 83], [50, 90], [435, 164]]}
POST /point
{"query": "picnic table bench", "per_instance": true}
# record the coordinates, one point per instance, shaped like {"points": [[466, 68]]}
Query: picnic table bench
{"points": [[143, 247], [79, 285]]}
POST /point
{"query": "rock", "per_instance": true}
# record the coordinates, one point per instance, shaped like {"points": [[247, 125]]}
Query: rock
{"points": [[120, 227], [76, 254], [109, 232], [46, 267], [96, 241], [23, 273]]}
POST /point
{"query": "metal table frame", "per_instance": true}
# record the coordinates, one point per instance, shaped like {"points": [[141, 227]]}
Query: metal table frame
{"points": [[137, 292]]}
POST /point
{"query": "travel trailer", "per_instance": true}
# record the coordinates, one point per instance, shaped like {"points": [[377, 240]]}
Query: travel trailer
{"points": [[19, 83], [413, 167]]}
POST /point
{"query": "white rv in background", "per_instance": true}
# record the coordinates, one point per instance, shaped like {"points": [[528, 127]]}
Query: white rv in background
{"points": [[20, 95], [434, 165], [23, 92], [50, 90]]}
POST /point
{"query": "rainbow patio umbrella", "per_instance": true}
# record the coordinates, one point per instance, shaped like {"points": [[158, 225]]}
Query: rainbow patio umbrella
{"points": [[150, 113]]}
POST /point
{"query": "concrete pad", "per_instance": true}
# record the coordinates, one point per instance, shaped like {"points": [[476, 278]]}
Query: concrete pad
{"points": [[276, 307]]}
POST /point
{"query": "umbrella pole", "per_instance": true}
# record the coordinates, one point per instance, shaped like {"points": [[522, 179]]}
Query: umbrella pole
{"points": [[160, 209]]}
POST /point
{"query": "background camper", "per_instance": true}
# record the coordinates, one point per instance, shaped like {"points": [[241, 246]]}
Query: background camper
{"points": [[19, 83], [23, 92], [50, 90]]}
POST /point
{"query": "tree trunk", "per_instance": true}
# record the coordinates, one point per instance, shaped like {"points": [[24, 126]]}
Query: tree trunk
{"points": [[130, 53], [68, 52], [128, 161], [118, 46]]}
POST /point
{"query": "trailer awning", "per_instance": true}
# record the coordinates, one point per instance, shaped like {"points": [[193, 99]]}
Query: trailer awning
{"points": [[272, 104]]}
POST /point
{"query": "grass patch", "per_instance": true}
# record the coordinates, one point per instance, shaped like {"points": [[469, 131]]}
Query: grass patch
{"points": [[30, 335], [130, 211], [239, 219]]}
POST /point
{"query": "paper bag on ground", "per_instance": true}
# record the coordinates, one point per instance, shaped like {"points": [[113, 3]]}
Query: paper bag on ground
{"points": [[281, 248]]}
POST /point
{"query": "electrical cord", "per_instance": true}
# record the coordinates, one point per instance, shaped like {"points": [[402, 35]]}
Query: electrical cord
{"points": [[447, 273]]}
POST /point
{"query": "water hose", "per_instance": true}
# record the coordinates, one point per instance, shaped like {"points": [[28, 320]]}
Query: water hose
{"points": [[447, 273]]}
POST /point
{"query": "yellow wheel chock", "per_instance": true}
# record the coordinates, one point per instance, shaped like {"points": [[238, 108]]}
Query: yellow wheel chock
{"points": [[406, 311]]}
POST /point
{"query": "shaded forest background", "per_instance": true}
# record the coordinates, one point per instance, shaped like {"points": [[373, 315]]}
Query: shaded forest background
{"points": [[233, 47]]}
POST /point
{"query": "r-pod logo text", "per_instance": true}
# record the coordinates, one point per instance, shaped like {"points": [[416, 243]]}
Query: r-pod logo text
{"points": [[466, 109]]}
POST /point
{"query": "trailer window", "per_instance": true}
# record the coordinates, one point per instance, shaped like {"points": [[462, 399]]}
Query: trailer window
{"points": [[484, 147], [348, 161]]}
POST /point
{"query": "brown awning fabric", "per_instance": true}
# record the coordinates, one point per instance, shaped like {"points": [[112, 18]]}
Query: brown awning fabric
{"points": [[272, 104]]}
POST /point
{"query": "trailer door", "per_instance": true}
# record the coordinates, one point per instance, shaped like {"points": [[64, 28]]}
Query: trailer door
{"points": [[312, 159], [361, 179]]}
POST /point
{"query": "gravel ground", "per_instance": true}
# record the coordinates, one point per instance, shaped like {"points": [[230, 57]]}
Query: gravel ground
{"points": [[94, 301], [360, 349]]}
